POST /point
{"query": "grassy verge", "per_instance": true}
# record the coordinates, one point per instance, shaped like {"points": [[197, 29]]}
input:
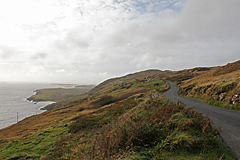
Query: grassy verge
{"points": [[217, 103], [215, 88], [160, 127]]}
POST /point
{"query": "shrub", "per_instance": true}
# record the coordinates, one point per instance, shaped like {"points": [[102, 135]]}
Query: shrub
{"points": [[157, 126], [104, 100]]}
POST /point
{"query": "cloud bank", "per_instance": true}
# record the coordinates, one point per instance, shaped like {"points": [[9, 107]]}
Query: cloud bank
{"points": [[89, 41]]}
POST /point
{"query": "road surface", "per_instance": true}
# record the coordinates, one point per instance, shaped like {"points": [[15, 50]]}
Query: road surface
{"points": [[222, 118]]}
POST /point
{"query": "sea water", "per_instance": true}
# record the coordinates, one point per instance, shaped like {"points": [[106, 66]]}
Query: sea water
{"points": [[14, 105]]}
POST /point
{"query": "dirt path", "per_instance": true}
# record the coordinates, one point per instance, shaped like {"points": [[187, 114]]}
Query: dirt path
{"points": [[222, 118]]}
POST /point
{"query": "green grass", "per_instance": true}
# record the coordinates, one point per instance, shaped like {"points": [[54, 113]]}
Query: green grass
{"points": [[57, 94], [224, 83], [150, 84], [101, 117], [32, 146]]}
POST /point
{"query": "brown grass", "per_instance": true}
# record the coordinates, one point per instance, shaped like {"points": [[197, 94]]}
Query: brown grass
{"points": [[39, 122], [210, 85]]}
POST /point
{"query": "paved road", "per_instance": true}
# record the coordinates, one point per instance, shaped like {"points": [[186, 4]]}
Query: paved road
{"points": [[222, 118]]}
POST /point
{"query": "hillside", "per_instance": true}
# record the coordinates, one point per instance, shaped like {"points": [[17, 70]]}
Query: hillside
{"points": [[218, 86], [121, 118]]}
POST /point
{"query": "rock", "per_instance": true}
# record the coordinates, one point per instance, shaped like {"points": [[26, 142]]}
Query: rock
{"points": [[235, 99], [202, 91], [154, 95], [215, 96], [222, 96]]}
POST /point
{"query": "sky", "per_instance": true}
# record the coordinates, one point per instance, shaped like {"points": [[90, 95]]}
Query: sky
{"points": [[89, 41]]}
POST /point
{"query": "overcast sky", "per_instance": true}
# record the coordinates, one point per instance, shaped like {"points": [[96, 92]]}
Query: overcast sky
{"points": [[88, 41]]}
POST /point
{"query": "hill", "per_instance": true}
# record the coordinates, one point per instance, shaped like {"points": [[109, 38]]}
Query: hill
{"points": [[219, 86], [121, 118]]}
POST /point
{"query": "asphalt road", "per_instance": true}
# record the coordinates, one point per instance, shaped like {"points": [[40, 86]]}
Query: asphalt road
{"points": [[226, 119]]}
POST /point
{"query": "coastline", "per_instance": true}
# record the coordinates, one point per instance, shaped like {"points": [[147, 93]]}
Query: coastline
{"points": [[56, 96], [15, 105], [40, 110], [19, 105], [43, 107]]}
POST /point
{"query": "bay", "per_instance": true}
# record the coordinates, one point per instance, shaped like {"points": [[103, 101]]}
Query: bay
{"points": [[14, 105]]}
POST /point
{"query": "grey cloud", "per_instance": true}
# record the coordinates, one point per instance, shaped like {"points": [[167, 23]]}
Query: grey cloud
{"points": [[39, 56], [179, 41], [99, 39], [75, 39], [211, 19], [6, 52], [123, 35], [78, 38]]}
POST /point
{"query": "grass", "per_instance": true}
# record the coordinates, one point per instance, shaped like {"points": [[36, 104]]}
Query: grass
{"points": [[32, 146], [57, 94], [119, 119], [162, 127], [211, 94], [101, 117], [209, 86], [217, 103], [152, 129]]}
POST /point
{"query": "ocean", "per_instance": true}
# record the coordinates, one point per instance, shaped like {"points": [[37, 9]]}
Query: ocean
{"points": [[14, 105]]}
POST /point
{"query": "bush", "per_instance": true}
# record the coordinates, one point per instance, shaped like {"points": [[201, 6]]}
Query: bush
{"points": [[104, 100], [157, 126]]}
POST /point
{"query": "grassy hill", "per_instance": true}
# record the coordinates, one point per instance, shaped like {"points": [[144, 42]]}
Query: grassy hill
{"points": [[219, 86], [58, 94], [121, 118]]}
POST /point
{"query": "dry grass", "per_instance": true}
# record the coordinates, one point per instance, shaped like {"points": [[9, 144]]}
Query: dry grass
{"points": [[39, 122], [210, 85]]}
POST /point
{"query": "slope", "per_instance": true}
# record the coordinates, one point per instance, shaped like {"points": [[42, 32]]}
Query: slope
{"points": [[218, 86], [124, 117]]}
